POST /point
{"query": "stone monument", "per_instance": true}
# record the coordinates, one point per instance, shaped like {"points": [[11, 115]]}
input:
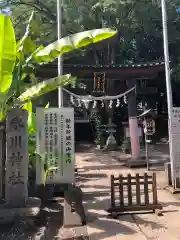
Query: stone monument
{"points": [[16, 158], [17, 202]]}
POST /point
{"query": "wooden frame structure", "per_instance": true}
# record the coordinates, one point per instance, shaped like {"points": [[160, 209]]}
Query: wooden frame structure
{"points": [[118, 185]]}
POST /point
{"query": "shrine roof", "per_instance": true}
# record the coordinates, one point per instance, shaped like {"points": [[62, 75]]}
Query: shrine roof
{"points": [[113, 71], [130, 65]]}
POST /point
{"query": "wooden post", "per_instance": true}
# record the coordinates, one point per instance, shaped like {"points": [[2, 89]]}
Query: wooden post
{"points": [[112, 192], [138, 194], [121, 190], [154, 189], [146, 190], [16, 191], [129, 190]]}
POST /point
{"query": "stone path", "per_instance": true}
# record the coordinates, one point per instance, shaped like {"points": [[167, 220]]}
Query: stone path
{"points": [[95, 169]]}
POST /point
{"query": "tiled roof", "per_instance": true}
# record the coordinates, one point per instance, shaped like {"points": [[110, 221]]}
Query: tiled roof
{"points": [[130, 65], [133, 65]]}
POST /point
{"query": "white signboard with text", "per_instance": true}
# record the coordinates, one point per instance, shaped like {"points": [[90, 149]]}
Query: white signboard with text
{"points": [[175, 128], [55, 145]]}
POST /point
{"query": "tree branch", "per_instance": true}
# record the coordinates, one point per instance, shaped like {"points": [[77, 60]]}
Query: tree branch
{"points": [[43, 6], [38, 6], [130, 10]]}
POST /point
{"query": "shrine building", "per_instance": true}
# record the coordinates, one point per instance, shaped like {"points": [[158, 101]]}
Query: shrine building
{"points": [[147, 80]]}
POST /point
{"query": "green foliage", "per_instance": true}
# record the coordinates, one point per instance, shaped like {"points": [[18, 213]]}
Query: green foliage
{"points": [[7, 53], [126, 146], [75, 41], [139, 24], [31, 117], [18, 64], [17, 68], [44, 87]]}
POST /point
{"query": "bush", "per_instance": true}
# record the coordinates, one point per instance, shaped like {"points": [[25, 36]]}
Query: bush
{"points": [[126, 146]]}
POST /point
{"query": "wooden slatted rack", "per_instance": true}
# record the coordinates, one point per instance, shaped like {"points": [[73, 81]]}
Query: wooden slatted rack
{"points": [[138, 188]]}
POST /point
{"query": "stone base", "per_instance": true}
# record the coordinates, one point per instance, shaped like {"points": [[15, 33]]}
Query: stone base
{"points": [[141, 162], [132, 163], [173, 190], [168, 175], [73, 208], [9, 214]]}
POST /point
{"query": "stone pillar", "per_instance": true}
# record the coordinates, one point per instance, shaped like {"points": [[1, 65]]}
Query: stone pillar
{"points": [[73, 208], [133, 121], [16, 192]]}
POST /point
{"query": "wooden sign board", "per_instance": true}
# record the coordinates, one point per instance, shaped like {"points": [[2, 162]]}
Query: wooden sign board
{"points": [[55, 145]]}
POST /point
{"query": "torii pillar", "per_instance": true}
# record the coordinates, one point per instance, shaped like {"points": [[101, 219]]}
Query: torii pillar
{"points": [[133, 121]]}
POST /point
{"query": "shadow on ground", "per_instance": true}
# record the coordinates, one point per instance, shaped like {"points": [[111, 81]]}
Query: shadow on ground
{"points": [[98, 201], [49, 218], [104, 226], [21, 229], [86, 177]]}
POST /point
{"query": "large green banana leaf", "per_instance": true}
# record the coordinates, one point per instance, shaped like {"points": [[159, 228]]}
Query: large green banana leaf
{"points": [[7, 52], [75, 41], [40, 59], [45, 87]]}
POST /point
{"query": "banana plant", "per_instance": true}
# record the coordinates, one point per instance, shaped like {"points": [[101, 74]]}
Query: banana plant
{"points": [[72, 42], [7, 61], [42, 55], [18, 62], [16, 66], [11, 71], [7, 53], [31, 133]]}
